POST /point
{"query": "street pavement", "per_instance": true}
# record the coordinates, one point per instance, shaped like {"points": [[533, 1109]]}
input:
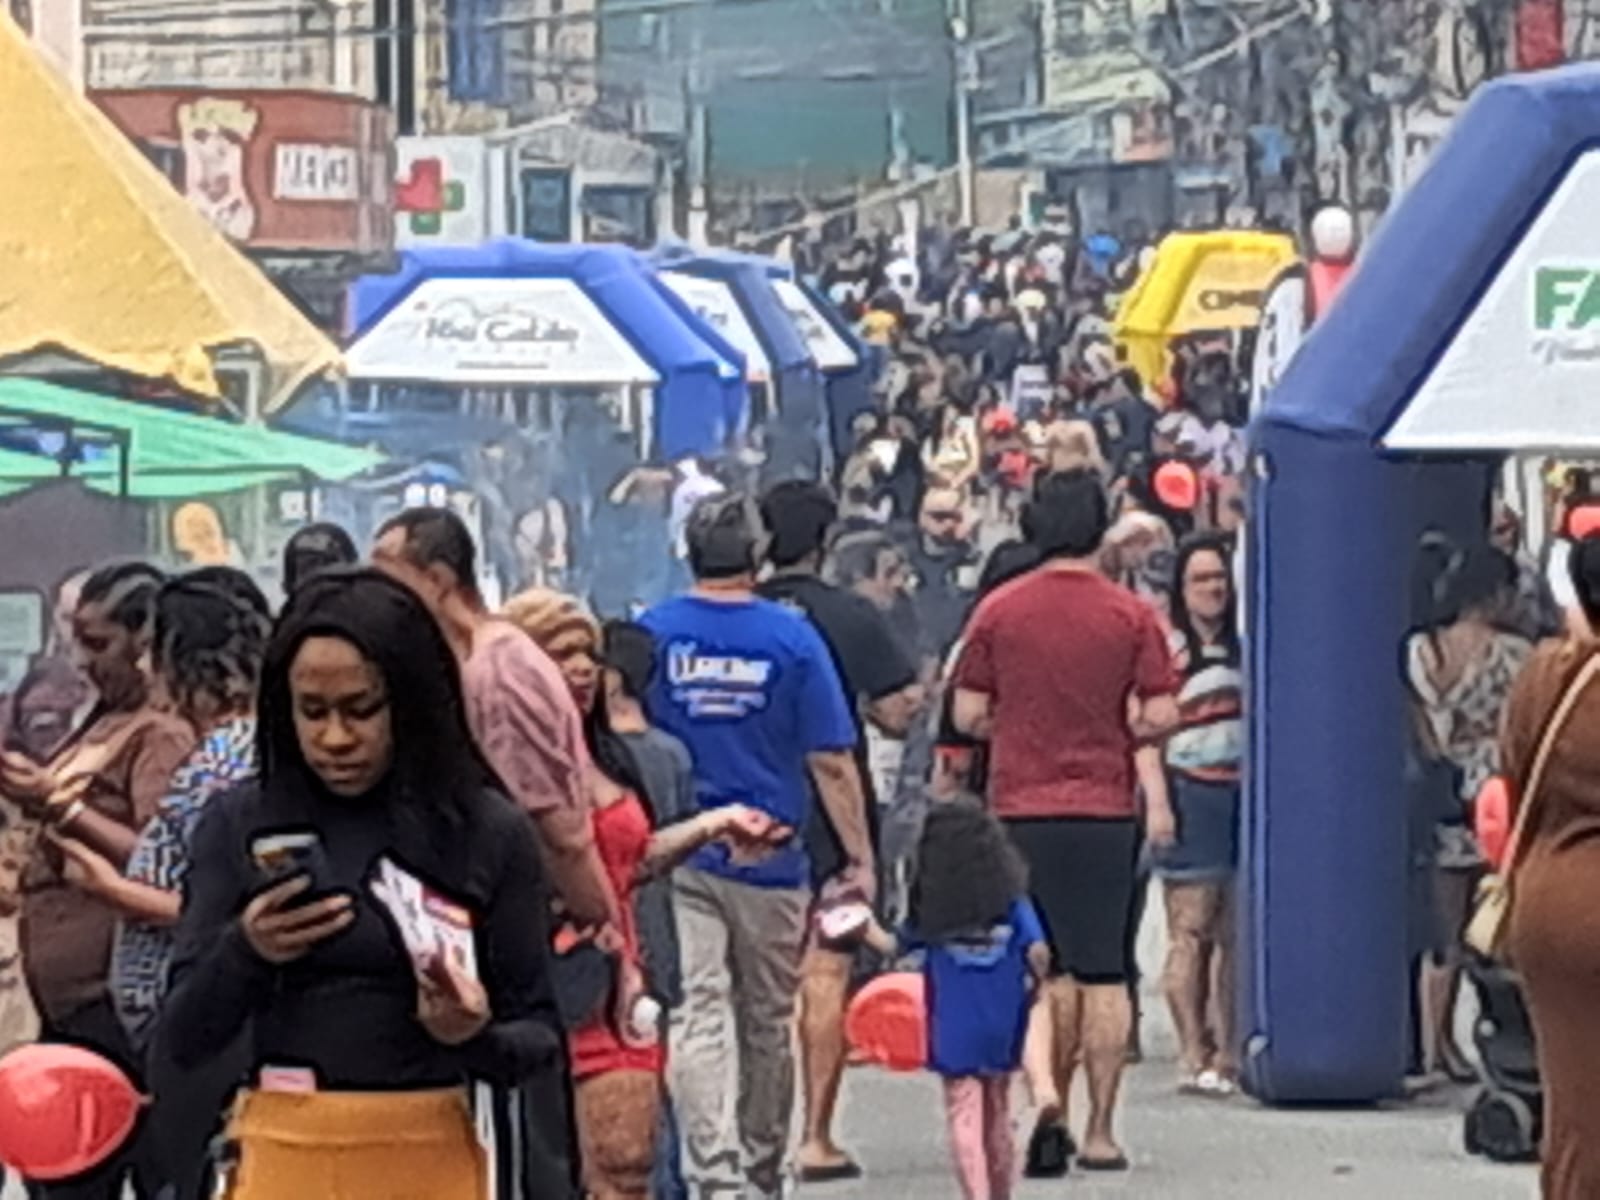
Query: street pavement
{"points": [[1189, 1148], [1182, 1147]]}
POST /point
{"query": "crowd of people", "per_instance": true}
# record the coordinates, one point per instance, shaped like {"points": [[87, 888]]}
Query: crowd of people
{"points": [[576, 892], [678, 834], [207, 842]]}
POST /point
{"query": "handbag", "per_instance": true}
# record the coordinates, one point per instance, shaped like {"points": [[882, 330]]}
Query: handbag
{"points": [[583, 978], [1490, 923]]}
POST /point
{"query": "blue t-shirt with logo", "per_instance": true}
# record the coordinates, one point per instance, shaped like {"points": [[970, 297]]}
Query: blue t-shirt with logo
{"points": [[750, 688], [978, 995]]}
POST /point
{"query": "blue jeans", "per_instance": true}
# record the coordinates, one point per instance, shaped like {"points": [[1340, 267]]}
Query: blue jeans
{"points": [[666, 1181]]}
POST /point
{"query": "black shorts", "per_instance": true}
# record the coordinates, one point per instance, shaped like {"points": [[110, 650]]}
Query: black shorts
{"points": [[1081, 875]]}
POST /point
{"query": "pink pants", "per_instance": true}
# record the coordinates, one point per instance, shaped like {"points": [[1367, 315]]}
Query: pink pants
{"points": [[978, 1109]]}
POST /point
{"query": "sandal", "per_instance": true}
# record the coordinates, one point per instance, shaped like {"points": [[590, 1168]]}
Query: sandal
{"points": [[1050, 1152], [839, 1172], [1215, 1085], [1119, 1163]]}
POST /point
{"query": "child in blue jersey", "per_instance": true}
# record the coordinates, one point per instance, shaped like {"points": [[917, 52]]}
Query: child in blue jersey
{"points": [[984, 955]]}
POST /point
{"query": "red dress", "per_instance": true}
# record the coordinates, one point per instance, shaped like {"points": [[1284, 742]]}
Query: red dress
{"points": [[622, 835]]}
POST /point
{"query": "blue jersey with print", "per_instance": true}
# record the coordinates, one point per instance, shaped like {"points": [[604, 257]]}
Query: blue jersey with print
{"points": [[750, 688], [978, 994]]}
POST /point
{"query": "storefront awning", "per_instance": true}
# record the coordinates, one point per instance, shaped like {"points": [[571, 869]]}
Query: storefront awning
{"points": [[106, 261], [150, 453]]}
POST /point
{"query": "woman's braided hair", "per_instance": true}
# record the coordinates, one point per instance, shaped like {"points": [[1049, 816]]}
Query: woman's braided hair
{"points": [[211, 632]]}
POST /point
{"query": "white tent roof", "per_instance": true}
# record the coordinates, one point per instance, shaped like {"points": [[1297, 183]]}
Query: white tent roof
{"points": [[498, 331]]}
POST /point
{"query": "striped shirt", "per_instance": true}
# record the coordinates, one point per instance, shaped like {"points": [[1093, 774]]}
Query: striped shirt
{"points": [[1208, 744]]}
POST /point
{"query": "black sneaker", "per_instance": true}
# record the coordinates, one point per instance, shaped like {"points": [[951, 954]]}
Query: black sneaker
{"points": [[1050, 1152]]}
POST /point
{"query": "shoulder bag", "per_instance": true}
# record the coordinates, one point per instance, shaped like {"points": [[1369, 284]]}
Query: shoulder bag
{"points": [[1490, 924]]}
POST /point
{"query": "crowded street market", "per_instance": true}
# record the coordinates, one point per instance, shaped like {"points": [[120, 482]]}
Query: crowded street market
{"points": [[547, 657]]}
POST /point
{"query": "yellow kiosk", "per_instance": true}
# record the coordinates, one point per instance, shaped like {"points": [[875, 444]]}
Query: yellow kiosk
{"points": [[1198, 282]]}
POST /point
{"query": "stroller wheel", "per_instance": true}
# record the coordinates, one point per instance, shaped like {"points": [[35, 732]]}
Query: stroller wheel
{"points": [[1500, 1126]]}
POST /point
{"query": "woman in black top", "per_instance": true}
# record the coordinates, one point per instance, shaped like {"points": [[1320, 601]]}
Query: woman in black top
{"points": [[365, 755]]}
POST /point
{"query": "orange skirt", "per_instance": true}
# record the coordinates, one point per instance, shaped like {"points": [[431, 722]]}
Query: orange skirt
{"points": [[356, 1146]]}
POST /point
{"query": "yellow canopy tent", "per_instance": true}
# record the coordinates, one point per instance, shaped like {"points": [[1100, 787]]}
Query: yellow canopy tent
{"points": [[102, 258], [1198, 282]]}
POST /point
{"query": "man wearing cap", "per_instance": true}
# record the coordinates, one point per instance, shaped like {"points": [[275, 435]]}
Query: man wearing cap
{"points": [[750, 688]]}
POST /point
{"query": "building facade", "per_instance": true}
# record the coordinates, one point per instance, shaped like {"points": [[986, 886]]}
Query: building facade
{"points": [[1155, 114]]}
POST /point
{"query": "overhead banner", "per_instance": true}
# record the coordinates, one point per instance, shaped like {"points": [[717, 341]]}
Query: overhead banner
{"points": [[1523, 370], [714, 303], [498, 331], [829, 350]]}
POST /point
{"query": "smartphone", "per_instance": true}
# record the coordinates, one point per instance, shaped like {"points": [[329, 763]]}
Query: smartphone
{"points": [[283, 856]]}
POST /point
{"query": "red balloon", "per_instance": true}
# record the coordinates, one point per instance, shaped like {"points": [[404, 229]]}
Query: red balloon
{"points": [[887, 1022], [63, 1110], [1491, 819], [1583, 521], [1177, 486]]}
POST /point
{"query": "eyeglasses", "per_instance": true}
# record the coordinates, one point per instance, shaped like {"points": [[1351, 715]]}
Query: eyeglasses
{"points": [[943, 514]]}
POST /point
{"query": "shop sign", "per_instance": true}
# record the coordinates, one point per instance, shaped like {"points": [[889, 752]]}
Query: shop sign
{"points": [[283, 171], [1522, 371], [507, 331], [441, 191], [714, 303], [312, 172], [829, 350]]}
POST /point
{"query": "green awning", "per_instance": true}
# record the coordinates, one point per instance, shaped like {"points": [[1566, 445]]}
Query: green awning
{"points": [[170, 455]]}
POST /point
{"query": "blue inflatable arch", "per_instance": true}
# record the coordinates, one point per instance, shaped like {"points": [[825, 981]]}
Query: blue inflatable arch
{"points": [[701, 397], [1336, 517]]}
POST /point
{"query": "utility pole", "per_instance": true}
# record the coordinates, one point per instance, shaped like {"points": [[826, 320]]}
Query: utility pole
{"points": [[966, 84], [698, 156]]}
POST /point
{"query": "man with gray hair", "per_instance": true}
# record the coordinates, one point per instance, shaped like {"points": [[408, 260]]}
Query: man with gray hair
{"points": [[750, 688]]}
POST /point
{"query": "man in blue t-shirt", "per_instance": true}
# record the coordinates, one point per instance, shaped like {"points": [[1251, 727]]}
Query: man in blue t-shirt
{"points": [[750, 688]]}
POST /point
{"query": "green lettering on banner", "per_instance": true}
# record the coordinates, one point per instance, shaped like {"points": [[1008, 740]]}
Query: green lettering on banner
{"points": [[1568, 297]]}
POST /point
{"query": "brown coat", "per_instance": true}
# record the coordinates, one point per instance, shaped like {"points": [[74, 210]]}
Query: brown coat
{"points": [[1555, 919], [67, 934]]}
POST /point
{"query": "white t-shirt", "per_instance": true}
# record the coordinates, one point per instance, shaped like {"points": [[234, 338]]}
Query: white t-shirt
{"points": [[694, 488], [1558, 574]]}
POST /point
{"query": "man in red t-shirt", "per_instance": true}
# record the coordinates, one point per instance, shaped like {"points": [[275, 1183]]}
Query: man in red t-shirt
{"points": [[1065, 673]]}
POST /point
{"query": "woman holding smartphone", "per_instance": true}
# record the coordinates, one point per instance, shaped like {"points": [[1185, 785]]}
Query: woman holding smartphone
{"points": [[366, 1029]]}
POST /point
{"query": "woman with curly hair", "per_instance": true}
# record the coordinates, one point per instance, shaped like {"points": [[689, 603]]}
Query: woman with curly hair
{"points": [[209, 638]]}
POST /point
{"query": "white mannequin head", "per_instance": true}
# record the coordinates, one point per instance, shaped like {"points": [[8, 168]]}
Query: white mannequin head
{"points": [[1333, 234]]}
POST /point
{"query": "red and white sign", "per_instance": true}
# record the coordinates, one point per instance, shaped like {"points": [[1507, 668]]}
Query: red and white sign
{"points": [[281, 171]]}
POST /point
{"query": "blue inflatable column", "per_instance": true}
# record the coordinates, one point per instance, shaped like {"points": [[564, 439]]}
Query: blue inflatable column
{"points": [[1324, 1002]]}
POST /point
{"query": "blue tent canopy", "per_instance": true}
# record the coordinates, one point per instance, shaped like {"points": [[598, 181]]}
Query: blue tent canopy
{"points": [[1332, 546], [736, 415], [798, 385], [701, 395], [849, 389]]}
